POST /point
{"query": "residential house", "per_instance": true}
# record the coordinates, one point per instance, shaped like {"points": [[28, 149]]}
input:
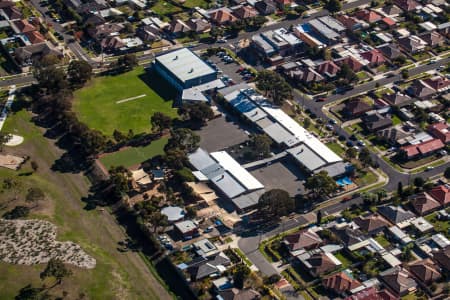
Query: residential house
{"points": [[187, 229], [374, 57], [390, 51], [433, 38], [399, 281], [441, 194], [244, 12], [438, 83], [412, 44], [354, 64], [237, 294], [421, 89], [396, 215], [91, 7], [374, 121], [202, 267], [371, 293], [35, 37], [425, 271], [355, 108], [199, 25], [149, 33], [340, 283], [397, 99], [351, 23], [94, 20], [178, 27], [303, 239], [307, 75], [368, 16], [393, 134], [282, 4], [348, 235], [440, 131], [111, 44], [12, 13], [321, 263], [388, 22], [423, 203], [408, 5], [265, 7], [372, 224], [27, 55], [423, 149], [442, 257], [222, 16], [392, 10], [328, 68], [23, 26], [102, 31]]}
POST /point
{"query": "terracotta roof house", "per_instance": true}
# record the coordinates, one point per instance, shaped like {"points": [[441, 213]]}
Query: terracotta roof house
{"points": [[390, 51], [392, 134], [388, 22], [376, 121], [340, 283], [35, 37], [178, 27], [392, 10], [372, 224], [397, 98], [112, 43], [28, 54], [424, 148], [148, 33], [355, 108], [442, 257], [320, 263], [423, 203], [375, 57], [13, 13], [283, 3], [425, 271], [244, 12], [199, 25], [433, 38], [349, 22], [399, 281], [407, 5], [101, 31], [441, 194], [328, 68], [222, 16], [413, 44], [304, 239], [421, 90], [368, 15], [237, 294], [395, 214], [265, 7], [439, 83], [372, 293], [352, 62], [24, 26], [440, 131]]}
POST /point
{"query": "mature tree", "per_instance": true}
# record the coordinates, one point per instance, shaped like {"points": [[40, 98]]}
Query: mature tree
{"points": [[400, 188], [319, 217], [127, 62], [274, 85], [17, 212], [321, 184], [157, 219], [381, 194], [119, 136], [34, 195], [276, 203], [351, 153], [240, 274], [365, 158], [447, 173], [260, 144], [405, 74], [175, 158], [79, 72], [48, 75], [55, 268], [419, 182], [160, 121], [307, 123], [216, 32], [4, 138], [347, 73], [31, 293], [333, 6], [197, 113], [183, 139], [119, 178]]}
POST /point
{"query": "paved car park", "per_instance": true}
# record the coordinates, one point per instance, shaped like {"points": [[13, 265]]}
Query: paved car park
{"points": [[231, 70]]}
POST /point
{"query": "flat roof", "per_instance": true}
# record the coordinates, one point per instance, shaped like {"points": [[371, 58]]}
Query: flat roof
{"points": [[323, 29], [173, 213], [228, 185], [185, 226], [248, 200], [307, 157], [184, 64], [200, 159], [332, 23]]}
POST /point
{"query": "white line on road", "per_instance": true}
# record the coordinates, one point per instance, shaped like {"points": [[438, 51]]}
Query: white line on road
{"points": [[130, 99]]}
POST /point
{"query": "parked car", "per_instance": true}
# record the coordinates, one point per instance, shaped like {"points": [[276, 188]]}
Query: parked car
{"points": [[321, 99], [349, 144]]}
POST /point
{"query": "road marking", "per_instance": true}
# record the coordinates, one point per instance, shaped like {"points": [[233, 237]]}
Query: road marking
{"points": [[130, 99]]}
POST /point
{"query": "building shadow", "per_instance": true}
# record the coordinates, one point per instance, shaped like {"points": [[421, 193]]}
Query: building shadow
{"points": [[161, 87]]}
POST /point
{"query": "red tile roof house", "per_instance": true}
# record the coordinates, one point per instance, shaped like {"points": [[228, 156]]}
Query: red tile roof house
{"points": [[399, 281], [24, 26], [407, 5], [355, 108], [423, 203], [439, 83], [368, 15], [340, 283], [440, 131], [222, 16], [423, 149], [372, 224], [352, 62], [304, 239], [441, 194], [388, 22], [244, 12], [372, 293], [375, 57], [328, 68], [35, 37], [282, 4]]}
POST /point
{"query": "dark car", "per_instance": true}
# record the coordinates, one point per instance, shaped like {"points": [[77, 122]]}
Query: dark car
{"points": [[321, 99], [349, 144], [341, 138], [353, 137]]}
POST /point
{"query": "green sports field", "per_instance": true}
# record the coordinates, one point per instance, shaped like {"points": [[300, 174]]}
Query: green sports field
{"points": [[122, 102]]}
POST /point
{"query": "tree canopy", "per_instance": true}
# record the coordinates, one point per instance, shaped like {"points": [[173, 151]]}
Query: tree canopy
{"points": [[274, 86], [197, 113], [321, 184], [276, 203], [333, 6], [79, 72], [160, 121], [55, 268], [183, 139]]}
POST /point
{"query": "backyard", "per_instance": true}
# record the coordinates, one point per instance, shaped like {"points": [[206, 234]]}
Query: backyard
{"points": [[122, 102]]}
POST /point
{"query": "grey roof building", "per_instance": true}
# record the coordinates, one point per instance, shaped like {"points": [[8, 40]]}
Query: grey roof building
{"points": [[395, 214]]}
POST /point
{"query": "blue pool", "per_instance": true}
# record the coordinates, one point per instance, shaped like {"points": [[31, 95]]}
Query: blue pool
{"points": [[344, 181]]}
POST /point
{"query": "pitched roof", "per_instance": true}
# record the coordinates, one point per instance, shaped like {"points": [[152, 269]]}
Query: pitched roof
{"points": [[396, 98], [390, 51], [340, 283], [412, 43], [35, 37], [13, 12], [407, 5], [33, 51], [398, 279], [433, 38], [24, 26], [388, 21], [440, 131], [328, 68], [374, 56], [425, 270], [245, 11], [392, 134], [356, 107], [368, 15], [321, 263], [349, 236], [352, 62], [395, 214], [371, 223], [443, 257], [392, 9], [438, 83], [441, 194], [265, 6], [178, 26], [302, 239], [236, 294], [430, 146], [222, 15], [203, 268], [423, 203], [199, 25], [421, 90], [376, 121]]}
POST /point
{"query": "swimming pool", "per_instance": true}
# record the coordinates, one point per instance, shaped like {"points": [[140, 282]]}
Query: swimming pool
{"points": [[344, 181]]}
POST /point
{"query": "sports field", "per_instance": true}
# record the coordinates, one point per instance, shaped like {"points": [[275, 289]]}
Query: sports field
{"points": [[122, 102]]}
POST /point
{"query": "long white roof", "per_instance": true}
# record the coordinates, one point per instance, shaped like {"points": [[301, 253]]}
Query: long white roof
{"points": [[235, 169]]}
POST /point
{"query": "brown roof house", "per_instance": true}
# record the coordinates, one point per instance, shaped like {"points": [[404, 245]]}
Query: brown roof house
{"points": [[372, 224], [392, 10], [265, 7], [355, 108], [441, 194], [423, 203], [375, 121], [407, 5], [12, 12], [398, 98], [222, 16], [102, 31], [320, 263], [237, 294], [350, 61], [425, 270], [328, 68], [374, 57], [413, 44], [442, 257], [340, 283], [399, 281], [35, 37], [27, 55], [303, 239], [179, 27], [112, 43], [421, 90], [368, 15], [24, 26], [393, 134], [440, 131], [390, 51], [199, 25], [439, 83], [433, 38], [244, 12], [305, 74]]}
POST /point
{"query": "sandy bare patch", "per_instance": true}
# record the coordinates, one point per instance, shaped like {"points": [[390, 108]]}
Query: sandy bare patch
{"points": [[10, 161], [15, 140], [29, 242]]}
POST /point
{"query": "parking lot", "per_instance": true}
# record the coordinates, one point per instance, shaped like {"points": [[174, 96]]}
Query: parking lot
{"points": [[230, 70], [282, 175]]}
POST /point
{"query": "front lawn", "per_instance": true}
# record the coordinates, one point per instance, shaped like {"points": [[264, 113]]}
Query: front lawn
{"points": [[165, 8], [366, 179], [336, 148], [381, 239], [134, 155], [396, 120], [122, 102]]}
